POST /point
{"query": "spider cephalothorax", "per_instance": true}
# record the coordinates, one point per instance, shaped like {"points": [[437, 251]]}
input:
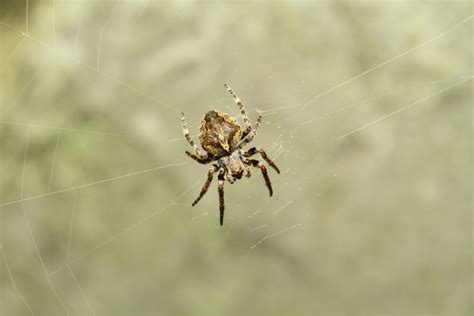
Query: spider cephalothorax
{"points": [[223, 139]]}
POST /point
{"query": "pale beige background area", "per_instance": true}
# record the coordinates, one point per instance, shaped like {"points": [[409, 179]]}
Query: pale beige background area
{"points": [[367, 111]]}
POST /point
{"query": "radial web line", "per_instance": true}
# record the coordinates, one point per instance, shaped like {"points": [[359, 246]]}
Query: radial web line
{"points": [[123, 231], [66, 129], [252, 229], [30, 230], [84, 297], [18, 96], [283, 206], [274, 234], [402, 109], [54, 161], [344, 108], [101, 30], [71, 226], [255, 213], [12, 55], [77, 33], [54, 23], [387, 92], [68, 254], [26, 17], [80, 290], [388, 61], [93, 183], [10, 274], [94, 69], [199, 216]]}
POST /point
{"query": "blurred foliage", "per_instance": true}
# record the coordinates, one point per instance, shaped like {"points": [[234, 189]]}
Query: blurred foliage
{"points": [[375, 223]]}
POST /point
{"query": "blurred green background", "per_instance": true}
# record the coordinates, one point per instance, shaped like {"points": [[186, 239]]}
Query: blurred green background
{"points": [[96, 189]]}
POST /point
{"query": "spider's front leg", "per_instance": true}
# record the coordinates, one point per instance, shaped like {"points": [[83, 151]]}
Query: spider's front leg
{"points": [[204, 160], [248, 136], [197, 153], [239, 103]]}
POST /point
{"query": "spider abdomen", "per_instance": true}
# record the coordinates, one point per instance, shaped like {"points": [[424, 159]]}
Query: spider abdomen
{"points": [[219, 133]]}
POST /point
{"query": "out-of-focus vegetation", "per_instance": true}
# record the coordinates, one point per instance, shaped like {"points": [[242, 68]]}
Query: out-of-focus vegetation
{"points": [[375, 223]]}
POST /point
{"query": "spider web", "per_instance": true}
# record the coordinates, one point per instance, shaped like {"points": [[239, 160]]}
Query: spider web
{"points": [[97, 192]]}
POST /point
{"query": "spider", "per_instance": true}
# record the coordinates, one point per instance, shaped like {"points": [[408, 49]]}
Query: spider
{"points": [[223, 139]]}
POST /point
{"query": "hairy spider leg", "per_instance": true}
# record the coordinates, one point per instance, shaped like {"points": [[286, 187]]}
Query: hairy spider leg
{"points": [[248, 137], [197, 153], [257, 150], [258, 164], [204, 160], [230, 178], [205, 187], [237, 100], [247, 172], [220, 190]]}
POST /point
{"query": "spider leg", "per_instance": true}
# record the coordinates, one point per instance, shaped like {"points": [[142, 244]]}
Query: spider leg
{"points": [[201, 159], [262, 167], [258, 122], [247, 172], [257, 150], [230, 178], [196, 150], [248, 136], [220, 190], [237, 100], [210, 176]]}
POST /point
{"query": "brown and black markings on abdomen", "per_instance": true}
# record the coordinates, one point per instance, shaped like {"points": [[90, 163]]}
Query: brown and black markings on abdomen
{"points": [[214, 123]]}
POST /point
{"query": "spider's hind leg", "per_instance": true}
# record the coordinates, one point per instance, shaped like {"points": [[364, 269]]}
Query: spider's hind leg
{"points": [[257, 150], [205, 187], [247, 172], [220, 190], [262, 167]]}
